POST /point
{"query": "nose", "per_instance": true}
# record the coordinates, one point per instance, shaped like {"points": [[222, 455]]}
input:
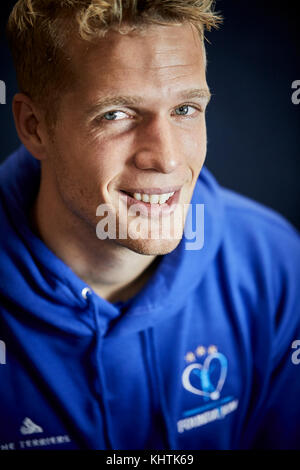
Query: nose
{"points": [[157, 147]]}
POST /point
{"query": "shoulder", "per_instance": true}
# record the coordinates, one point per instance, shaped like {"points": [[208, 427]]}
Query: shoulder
{"points": [[263, 249], [250, 236], [247, 209], [247, 219]]}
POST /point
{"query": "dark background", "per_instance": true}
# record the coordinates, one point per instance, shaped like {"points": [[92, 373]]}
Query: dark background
{"points": [[253, 126]]}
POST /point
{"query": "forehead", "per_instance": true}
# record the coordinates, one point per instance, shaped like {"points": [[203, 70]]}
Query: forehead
{"points": [[159, 57]]}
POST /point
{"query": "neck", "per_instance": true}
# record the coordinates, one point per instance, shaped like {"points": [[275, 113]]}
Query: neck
{"points": [[114, 272]]}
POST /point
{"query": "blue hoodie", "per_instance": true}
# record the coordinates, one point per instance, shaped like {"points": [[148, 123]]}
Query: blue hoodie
{"points": [[203, 357]]}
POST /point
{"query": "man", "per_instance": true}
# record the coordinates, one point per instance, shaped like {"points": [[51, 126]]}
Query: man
{"points": [[118, 332]]}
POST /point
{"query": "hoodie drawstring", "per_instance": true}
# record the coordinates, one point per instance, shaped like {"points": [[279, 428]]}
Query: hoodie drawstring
{"points": [[101, 374], [156, 378]]}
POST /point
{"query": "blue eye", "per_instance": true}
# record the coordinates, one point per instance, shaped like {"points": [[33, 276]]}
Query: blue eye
{"points": [[183, 110], [112, 115]]}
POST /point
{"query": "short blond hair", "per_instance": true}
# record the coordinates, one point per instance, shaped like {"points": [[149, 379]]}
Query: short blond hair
{"points": [[39, 31]]}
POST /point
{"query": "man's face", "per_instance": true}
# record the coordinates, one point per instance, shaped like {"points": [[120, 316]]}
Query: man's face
{"points": [[134, 122]]}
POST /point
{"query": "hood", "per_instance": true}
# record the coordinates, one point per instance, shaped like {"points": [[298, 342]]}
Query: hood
{"points": [[41, 285]]}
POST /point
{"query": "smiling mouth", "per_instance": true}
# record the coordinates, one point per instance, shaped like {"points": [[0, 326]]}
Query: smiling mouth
{"points": [[153, 202], [153, 195], [147, 198]]}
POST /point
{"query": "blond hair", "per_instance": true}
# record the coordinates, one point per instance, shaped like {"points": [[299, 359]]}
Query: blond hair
{"points": [[39, 31]]}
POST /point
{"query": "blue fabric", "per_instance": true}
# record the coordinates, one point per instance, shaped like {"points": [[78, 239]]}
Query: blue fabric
{"points": [[201, 358]]}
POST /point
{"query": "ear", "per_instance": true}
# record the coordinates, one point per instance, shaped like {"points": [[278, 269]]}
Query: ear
{"points": [[30, 125]]}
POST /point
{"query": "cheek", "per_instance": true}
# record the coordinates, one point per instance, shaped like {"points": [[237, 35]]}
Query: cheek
{"points": [[195, 144], [85, 163], [76, 177], [105, 155], [195, 148], [201, 141]]}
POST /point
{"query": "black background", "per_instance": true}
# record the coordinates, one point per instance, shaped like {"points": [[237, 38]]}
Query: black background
{"points": [[253, 126]]}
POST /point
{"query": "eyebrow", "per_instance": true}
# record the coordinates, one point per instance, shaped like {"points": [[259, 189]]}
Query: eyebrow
{"points": [[134, 100]]}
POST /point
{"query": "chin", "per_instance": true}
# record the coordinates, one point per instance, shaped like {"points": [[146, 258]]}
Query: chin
{"points": [[150, 247]]}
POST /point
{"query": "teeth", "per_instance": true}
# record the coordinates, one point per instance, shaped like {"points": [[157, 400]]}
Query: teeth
{"points": [[163, 198], [153, 198], [145, 198]]}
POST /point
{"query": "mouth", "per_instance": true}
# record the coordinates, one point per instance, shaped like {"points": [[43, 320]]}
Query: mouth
{"points": [[152, 201]]}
